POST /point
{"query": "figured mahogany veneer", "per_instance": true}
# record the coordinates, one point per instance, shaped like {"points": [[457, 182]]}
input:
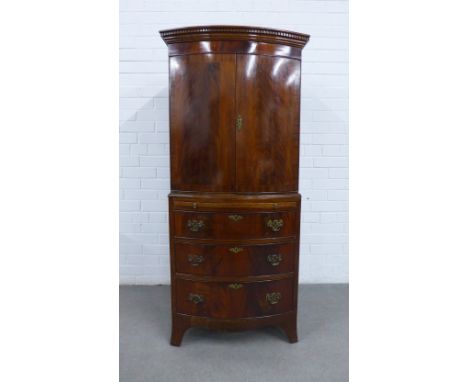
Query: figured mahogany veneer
{"points": [[234, 209], [229, 225], [233, 259], [234, 300]]}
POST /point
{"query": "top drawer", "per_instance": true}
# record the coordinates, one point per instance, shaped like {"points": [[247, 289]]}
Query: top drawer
{"points": [[233, 205], [229, 225]]}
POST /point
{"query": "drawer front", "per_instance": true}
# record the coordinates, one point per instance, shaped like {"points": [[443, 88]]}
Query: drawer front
{"points": [[234, 300], [233, 205], [229, 225], [234, 260]]}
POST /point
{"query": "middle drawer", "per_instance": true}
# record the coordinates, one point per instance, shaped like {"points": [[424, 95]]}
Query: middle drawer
{"points": [[234, 260]]}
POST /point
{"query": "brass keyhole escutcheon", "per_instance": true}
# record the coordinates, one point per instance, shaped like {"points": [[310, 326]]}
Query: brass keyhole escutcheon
{"points": [[235, 218], [235, 249], [239, 122], [235, 286]]}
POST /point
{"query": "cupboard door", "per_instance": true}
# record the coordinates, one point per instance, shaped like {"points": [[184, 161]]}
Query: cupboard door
{"points": [[267, 134], [202, 112]]}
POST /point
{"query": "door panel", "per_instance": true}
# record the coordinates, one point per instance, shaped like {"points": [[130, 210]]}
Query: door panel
{"points": [[267, 142], [202, 99]]}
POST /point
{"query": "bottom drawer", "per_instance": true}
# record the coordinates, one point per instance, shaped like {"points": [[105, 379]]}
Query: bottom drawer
{"points": [[234, 300]]}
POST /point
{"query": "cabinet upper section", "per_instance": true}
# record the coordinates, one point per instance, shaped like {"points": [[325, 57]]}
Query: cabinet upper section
{"points": [[232, 32], [234, 109]]}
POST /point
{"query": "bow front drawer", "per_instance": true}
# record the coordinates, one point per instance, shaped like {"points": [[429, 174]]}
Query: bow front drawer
{"points": [[234, 300], [234, 260], [230, 225]]}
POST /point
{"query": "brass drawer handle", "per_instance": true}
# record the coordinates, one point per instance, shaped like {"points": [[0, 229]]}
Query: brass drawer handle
{"points": [[275, 224], [273, 298], [235, 286], [235, 218], [195, 260], [196, 298], [274, 259], [236, 249], [195, 225]]}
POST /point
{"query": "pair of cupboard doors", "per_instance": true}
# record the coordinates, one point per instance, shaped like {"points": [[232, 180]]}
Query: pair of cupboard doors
{"points": [[234, 122]]}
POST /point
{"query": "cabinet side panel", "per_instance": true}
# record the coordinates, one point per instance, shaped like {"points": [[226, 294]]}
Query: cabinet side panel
{"points": [[268, 99], [202, 115]]}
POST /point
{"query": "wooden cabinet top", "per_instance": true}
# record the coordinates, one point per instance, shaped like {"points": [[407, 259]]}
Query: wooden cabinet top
{"points": [[234, 33]]}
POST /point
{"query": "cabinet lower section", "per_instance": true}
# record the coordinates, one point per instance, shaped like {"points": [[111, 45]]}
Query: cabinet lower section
{"points": [[234, 261]]}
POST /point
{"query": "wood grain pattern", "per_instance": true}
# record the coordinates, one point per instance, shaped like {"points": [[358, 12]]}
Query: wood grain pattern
{"points": [[245, 47], [267, 145], [234, 259], [202, 113], [221, 301], [222, 226]]}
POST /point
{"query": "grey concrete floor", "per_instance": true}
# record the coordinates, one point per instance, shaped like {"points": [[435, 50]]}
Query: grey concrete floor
{"points": [[321, 355]]}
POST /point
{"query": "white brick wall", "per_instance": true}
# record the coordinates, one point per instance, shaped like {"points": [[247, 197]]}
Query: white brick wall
{"points": [[144, 250]]}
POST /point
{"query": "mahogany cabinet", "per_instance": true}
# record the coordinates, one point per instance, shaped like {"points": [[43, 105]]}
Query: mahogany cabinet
{"points": [[234, 206]]}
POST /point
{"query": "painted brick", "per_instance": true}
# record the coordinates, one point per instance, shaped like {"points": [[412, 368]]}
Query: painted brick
{"points": [[335, 150], [156, 184], [130, 249], [138, 172], [327, 139], [124, 149], [134, 217], [129, 227], [128, 138], [138, 149], [162, 161], [158, 149], [331, 162], [128, 161], [137, 126], [153, 205], [128, 184], [153, 138], [329, 184], [340, 173], [129, 205], [337, 195], [158, 217], [140, 194]]}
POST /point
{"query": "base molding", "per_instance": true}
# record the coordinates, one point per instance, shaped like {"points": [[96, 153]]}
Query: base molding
{"points": [[182, 322]]}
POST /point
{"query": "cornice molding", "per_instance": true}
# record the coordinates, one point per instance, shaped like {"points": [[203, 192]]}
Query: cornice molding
{"points": [[232, 32]]}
